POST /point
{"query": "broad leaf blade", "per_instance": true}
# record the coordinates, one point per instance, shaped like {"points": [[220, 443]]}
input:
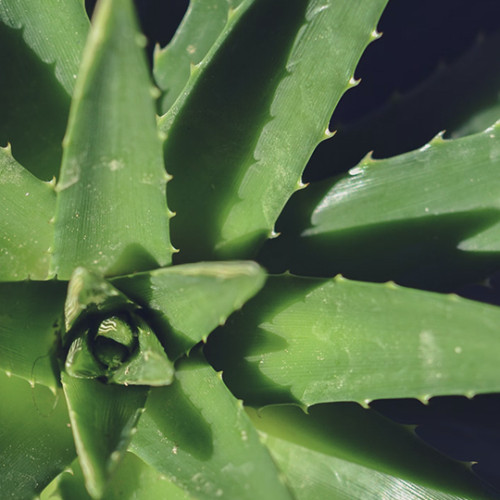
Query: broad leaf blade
{"points": [[344, 451], [132, 480], [111, 212], [255, 109], [199, 436], [40, 48], [187, 302], [310, 341], [31, 315], [203, 22], [27, 232], [103, 419], [35, 438]]}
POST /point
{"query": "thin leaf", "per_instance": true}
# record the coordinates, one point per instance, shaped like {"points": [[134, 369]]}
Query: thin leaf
{"points": [[195, 433], [198, 31], [40, 48], [35, 438], [103, 419], [132, 480], [344, 451], [187, 302], [30, 317], [310, 341], [251, 115], [111, 212], [26, 233]]}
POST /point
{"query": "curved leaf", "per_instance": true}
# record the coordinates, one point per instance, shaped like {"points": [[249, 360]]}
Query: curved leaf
{"points": [[27, 232], [35, 438], [199, 436], [111, 213], [187, 302], [251, 115], [310, 341]]}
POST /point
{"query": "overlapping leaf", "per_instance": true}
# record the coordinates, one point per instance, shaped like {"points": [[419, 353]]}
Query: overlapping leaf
{"points": [[310, 341], [197, 434], [251, 115], [103, 419], [344, 451], [40, 48], [111, 214], [202, 24], [413, 218], [132, 480], [186, 302]]}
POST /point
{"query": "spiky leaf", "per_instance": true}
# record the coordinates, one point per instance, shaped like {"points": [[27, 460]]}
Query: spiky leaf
{"points": [[310, 341], [27, 232], [111, 211], [186, 302], [344, 451], [40, 48], [251, 115], [199, 436]]}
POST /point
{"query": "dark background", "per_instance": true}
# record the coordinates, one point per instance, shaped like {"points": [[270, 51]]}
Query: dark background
{"points": [[420, 53]]}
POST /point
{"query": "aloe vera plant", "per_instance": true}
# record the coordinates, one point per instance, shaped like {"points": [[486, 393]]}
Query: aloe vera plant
{"points": [[151, 344]]}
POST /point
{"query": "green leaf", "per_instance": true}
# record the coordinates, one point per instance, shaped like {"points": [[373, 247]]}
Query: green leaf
{"points": [[35, 438], [30, 317], [90, 294], [103, 419], [199, 436], [149, 365], [187, 302], [111, 213], [132, 480], [27, 232], [418, 217], [255, 108], [459, 178], [343, 451], [40, 50], [202, 24], [310, 341]]}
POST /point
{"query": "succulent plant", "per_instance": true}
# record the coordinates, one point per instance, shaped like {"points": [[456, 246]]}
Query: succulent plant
{"points": [[147, 355]]}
